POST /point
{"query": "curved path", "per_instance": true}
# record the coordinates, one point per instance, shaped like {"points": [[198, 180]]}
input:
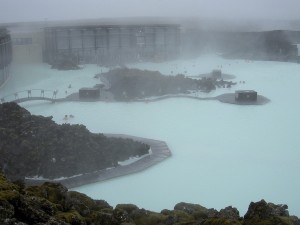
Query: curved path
{"points": [[174, 96], [225, 98], [160, 152], [105, 95]]}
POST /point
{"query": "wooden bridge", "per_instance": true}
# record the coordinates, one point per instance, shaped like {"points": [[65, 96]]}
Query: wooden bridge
{"points": [[32, 95]]}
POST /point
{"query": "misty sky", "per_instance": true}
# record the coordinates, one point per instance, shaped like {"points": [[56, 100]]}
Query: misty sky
{"points": [[39, 10]]}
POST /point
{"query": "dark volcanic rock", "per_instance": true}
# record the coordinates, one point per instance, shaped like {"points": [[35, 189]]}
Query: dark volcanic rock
{"points": [[6, 210], [128, 84], [36, 146], [230, 213], [268, 213], [259, 210], [53, 204], [262, 209]]}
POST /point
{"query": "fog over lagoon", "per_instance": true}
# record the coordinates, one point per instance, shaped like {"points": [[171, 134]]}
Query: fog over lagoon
{"points": [[236, 10], [223, 154]]}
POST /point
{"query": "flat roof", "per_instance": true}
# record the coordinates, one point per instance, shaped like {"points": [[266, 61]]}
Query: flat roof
{"points": [[89, 89], [245, 91], [101, 22], [110, 26]]}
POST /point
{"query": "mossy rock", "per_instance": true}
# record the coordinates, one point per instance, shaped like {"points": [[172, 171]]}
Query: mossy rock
{"points": [[129, 208], [270, 221], [102, 218], [150, 218], [121, 216], [6, 210], [107, 210], [33, 210], [103, 205], [177, 215], [221, 221], [198, 212], [71, 216], [9, 195], [81, 202], [6, 185], [52, 204], [189, 208], [53, 192]]}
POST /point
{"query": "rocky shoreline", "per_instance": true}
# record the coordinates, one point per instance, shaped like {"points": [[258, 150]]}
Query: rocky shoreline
{"points": [[53, 204], [35, 146], [159, 152]]}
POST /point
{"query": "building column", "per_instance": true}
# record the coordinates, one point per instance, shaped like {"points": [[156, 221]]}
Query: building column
{"points": [[69, 41]]}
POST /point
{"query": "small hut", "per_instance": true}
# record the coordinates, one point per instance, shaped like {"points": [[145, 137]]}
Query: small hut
{"points": [[89, 93], [246, 95]]}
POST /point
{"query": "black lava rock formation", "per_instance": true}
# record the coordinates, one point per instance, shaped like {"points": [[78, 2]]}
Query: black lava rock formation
{"points": [[53, 204], [36, 146]]}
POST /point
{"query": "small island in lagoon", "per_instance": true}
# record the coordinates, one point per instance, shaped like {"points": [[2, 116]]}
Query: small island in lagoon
{"points": [[126, 84]]}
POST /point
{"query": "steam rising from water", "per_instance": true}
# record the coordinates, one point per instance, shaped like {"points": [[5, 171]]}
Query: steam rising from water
{"points": [[206, 12], [222, 154]]}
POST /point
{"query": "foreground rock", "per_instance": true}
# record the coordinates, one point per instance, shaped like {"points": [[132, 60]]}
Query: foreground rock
{"points": [[36, 146], [53, 204]]}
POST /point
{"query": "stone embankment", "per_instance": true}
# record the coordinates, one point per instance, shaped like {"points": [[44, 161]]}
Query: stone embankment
{"points": [[230, 98], [159, 152]]}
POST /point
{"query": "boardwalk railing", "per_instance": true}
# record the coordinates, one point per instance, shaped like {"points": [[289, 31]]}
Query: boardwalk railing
{"points": [[31, 95]]}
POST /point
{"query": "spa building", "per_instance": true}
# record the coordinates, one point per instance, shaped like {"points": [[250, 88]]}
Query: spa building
{"points": [[5, 55], [112, 44]]}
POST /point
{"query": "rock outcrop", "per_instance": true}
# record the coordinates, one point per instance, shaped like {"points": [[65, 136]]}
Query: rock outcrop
{"points": [[36, 146], [267, 213], [53, 204]]}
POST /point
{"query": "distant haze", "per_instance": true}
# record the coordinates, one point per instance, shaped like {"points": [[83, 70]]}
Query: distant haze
{"points": [[238, 10]]}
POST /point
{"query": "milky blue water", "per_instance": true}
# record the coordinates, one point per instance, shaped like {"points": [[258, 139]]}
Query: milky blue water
{"points": [[223, 154]]}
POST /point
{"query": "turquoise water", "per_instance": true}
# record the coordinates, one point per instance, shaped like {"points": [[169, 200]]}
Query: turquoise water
{"points": [[223, 154]]}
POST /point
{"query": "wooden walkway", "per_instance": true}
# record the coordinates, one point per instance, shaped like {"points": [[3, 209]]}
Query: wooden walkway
{"points": [[160, 152], [33, 95], [107, 96]]}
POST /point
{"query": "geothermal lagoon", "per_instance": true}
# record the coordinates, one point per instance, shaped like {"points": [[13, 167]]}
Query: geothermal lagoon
{"points": [[222, 154]]}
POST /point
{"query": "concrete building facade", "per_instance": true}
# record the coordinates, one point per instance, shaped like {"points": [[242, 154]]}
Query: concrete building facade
{"points": [[5, 55], [112, 44], [27, 45]]}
